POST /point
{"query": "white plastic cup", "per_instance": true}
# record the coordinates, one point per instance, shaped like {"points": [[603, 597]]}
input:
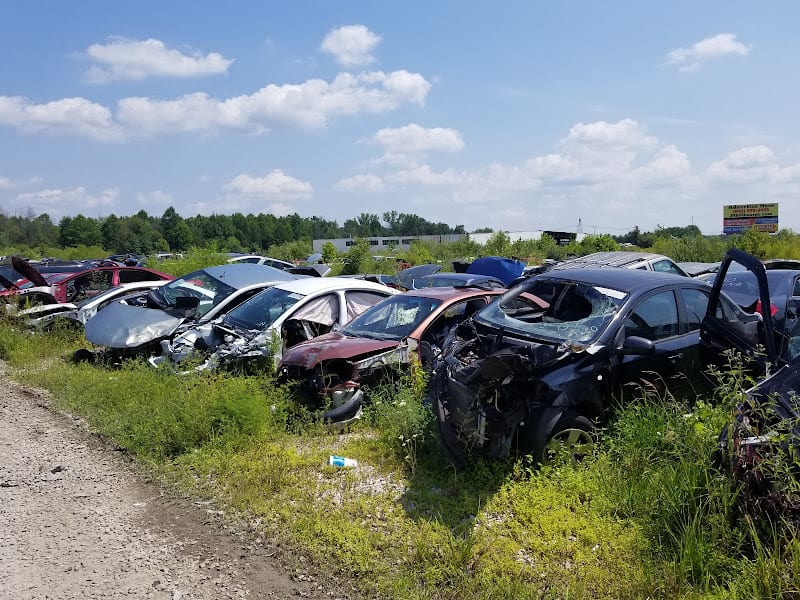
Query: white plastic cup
{"points": [[341, 461]]}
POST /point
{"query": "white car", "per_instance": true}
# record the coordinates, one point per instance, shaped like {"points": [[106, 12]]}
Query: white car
{"points": [[279, 317], [257, 259], [46, 316]]}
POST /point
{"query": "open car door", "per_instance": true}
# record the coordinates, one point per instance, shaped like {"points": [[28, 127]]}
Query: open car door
{"points": [[726, 326]]}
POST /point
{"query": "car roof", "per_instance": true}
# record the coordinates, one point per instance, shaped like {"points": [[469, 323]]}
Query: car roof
{"points": [[621, 279], [459, 280], [451, 293], [241, 275], [311, 285], [619, 258]]}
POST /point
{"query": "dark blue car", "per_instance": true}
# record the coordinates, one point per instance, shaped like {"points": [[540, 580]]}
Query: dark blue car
{"points": [[538, 368]]}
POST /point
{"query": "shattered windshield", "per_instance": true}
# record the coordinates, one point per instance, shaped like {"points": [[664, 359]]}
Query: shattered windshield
{"points": [[262, 310], [393, 318], [555, 310], [199, 284]]}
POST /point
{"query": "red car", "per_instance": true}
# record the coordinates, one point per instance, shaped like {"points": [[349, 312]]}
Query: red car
{"points": [[53, 288], [334, 366]]}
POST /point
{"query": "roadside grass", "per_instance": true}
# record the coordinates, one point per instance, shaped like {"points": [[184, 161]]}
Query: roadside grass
{"points": [[646, 516]]}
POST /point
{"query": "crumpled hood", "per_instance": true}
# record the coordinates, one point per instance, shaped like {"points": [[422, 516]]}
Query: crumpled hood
{"points": [[121, 325], [332, 346]]}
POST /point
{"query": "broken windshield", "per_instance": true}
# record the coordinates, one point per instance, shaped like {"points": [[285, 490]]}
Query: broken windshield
{"points": [[210, 291], [552, 309], [393, 318]]}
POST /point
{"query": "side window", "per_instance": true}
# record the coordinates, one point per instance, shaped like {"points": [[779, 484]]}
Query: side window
{"points": [[655, 318], [88, 285], [696, 302], [666, 266], [131, 275], [796, 288], [358, 302]]}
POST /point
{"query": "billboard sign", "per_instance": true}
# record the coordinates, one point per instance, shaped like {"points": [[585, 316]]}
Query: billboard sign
{"points": [[738, 218]]}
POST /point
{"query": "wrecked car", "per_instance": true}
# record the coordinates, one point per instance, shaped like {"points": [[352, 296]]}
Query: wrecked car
{"points": [[536, 370], [73, 286], [254, 333], [48, 316], [761, 445], [138, 325], [335, 367]]}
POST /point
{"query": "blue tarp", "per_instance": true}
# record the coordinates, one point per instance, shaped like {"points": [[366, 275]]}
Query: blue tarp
{"points": [[505, 269]]}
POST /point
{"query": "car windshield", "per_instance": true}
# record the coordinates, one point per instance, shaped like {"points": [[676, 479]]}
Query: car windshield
{"points": [[262, 310], [554, 310], [393, 318], [199, 284]]}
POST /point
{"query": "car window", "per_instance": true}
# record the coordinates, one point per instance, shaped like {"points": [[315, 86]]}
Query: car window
{"points": [[131, 275], [358, 302], [796, 288], [696, 302], [89, 285], [666, 266], [655, 318]]}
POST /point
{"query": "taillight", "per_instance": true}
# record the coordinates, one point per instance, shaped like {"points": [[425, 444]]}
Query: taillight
{"points": [[772, 309]]}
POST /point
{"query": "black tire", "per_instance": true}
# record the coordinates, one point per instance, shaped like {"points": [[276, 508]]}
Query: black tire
{"points": [[572, 436]]}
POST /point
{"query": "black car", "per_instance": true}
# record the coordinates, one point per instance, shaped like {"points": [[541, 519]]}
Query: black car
{"points": [[539, 367]]}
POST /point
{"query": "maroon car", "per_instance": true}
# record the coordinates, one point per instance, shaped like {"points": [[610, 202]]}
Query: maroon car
{"points": [[334, 366], [53, 288]]}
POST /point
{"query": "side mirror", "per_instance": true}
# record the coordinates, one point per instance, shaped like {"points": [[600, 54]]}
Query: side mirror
{"points": [[638, 346]]}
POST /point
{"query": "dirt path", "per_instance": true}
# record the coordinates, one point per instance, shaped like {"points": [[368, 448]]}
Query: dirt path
{"points": [[77, 521]]}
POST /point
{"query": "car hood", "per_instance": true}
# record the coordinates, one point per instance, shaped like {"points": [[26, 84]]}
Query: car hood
{"points": [[25, 268], [334, 346], [121, 325]]}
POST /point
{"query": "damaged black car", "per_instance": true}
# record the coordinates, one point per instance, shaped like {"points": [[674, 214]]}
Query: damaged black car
{"points": [[537, 369]]}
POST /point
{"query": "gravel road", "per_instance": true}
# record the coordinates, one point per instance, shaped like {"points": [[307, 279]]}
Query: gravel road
{"points": [[78, 521]]}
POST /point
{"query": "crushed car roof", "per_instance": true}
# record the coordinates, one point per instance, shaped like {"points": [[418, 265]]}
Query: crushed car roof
{"points": [[245, 274]]}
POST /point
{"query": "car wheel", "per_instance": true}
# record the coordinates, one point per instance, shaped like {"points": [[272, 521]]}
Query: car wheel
{"points": [[571, 437]]}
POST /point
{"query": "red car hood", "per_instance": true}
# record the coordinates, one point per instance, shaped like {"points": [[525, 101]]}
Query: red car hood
{"points": [[332, 346]]}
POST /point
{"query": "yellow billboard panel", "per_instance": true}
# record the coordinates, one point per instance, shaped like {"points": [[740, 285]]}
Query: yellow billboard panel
{"points": [[737, 218]]}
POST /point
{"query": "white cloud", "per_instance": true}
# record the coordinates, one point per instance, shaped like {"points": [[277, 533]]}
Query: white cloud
{"points": [[66, 116], [275, 185], [404, 144], [668, 164], [123, 58], [753, 164], [58, 202], [6, 183], [360, 183], [718, 46], [309, 105], [154, 200], [351, 45]]}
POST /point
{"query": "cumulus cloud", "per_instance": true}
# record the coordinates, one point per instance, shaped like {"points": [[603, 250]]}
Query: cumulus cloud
{"points": [[274, 185], [6, 183], [351, 45], [412, 141], [66, 116], [58, 202], [669, 163], [754, 164], [123, 58], [718, 46], [154, 200], [366, 182], [309, 105]]}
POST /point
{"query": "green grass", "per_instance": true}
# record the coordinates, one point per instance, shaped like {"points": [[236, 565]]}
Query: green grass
{"points": [[647, 516]]}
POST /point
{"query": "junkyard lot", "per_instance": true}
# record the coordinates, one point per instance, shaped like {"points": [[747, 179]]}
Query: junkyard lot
{"points": [[542, 516]]}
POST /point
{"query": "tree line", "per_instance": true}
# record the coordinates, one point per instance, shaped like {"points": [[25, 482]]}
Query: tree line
{"points": [[144, 234]]}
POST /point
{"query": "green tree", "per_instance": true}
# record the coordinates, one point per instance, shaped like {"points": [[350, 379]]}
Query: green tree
{"points": [[79, 230], [328, 253]]}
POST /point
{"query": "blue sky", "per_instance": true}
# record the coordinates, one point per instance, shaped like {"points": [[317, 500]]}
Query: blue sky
{"points": [[511, 115]]}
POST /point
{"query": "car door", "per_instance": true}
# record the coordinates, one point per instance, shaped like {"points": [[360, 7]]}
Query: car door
{"points": [[726, 327], [656, 318]]}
